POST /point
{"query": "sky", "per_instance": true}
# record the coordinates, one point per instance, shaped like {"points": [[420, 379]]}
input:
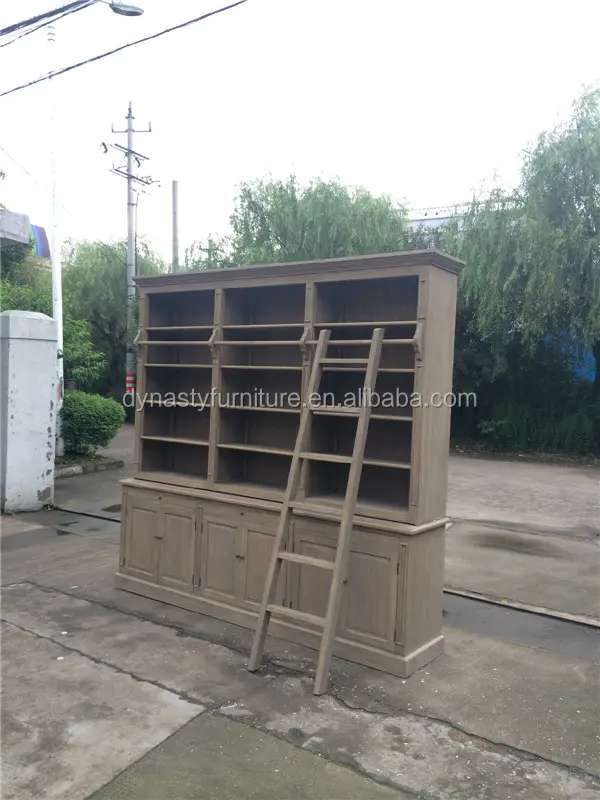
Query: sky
{"points": [[427, 102]]}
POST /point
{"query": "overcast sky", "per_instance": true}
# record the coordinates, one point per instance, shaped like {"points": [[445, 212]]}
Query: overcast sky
{"points": [[424, 101]]}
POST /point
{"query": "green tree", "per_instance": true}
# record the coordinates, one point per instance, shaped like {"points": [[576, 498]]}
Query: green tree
{"points": [[94, 286], [283, 221], [82, 362], [534, 256]]}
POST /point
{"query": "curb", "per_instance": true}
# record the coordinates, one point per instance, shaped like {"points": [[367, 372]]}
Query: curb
{"points": [[517, 606], [88, 466]]}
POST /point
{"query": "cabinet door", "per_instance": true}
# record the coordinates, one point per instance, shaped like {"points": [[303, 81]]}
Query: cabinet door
{"points": [[257, 532], [177, 545], [141, 542], [222, 566], [309, 586], [368, 610]]}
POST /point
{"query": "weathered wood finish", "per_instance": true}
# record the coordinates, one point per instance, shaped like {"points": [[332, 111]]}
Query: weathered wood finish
{"points": [[390, 616], [201, 512]]}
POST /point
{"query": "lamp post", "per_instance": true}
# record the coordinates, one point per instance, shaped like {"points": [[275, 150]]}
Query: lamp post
{"points": [[124, 10]]}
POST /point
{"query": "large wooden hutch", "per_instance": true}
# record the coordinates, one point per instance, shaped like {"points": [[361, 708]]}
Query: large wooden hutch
{"points": [[201, 508]]}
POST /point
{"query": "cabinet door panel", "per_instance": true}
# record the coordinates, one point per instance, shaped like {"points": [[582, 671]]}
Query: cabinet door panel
{"points": [[309, 586], [220, 567], [258, 548], [369, 613], [141, 553], [177, 546], [368, 610]]}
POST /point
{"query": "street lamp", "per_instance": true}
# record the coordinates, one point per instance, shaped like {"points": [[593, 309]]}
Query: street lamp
{"points": [[124, 10]]}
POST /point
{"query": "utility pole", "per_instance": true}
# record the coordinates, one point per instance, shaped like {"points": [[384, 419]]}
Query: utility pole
{"points": [[127, 171], [55, 251], [175, 261]]}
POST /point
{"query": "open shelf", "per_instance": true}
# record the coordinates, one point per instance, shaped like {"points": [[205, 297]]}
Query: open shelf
{"points": [[177, 424], [192, 310], [246, 430], [187, 460], [388, 442], [176, 353], [367, 301], [384, 487], [265, 305], [263, 470], [260, 371], [268, 388], [391, 397], [162, 381], [267, 347]]}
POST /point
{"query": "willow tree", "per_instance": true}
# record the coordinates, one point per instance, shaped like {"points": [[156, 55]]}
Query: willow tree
{"points": [[277, 220], [534, 255]]}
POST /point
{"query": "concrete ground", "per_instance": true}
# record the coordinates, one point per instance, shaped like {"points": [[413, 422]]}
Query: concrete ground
{"points": [[109, 695]]}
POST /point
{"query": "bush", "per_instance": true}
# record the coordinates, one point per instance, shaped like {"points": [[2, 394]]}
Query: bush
{"points": [[89, 421]]}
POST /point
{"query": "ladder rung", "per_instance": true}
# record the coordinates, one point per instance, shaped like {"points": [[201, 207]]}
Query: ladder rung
{"points": [[340, 362], [309, 561], [296, 616], [334, 458]]}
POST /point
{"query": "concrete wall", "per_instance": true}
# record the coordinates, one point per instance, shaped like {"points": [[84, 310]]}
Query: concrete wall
{"points": [[28, 405], [14, 228]]}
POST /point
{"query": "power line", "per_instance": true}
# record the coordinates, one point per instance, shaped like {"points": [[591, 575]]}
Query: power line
{"points": [[17, 26], [46, 24], [122, 47]]}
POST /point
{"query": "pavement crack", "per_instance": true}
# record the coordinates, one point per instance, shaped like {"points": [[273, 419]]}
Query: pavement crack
{"points": [[337, 758], [473, 737], [104, 663]]}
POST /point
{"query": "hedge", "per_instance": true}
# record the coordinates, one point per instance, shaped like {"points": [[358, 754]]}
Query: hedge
{"points": [[89, 421]]}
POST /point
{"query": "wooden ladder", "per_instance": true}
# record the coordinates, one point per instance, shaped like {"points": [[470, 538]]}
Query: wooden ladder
{"points": [[338, 567]]}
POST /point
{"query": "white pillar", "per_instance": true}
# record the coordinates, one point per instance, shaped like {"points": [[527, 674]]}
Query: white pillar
{"points": [[28, 410]]}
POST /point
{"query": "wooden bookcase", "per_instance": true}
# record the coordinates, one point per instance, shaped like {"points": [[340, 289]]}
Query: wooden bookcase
{"points": [[224, 361]]}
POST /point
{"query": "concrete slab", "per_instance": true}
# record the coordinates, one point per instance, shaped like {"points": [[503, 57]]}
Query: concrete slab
{"points": [[41, 550], [67, 522], [429, 758], [213, 758], [208, 673], [545, 498], [552, 572], [505, 702], [520, 696], [69, 724], [98, 493]]}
